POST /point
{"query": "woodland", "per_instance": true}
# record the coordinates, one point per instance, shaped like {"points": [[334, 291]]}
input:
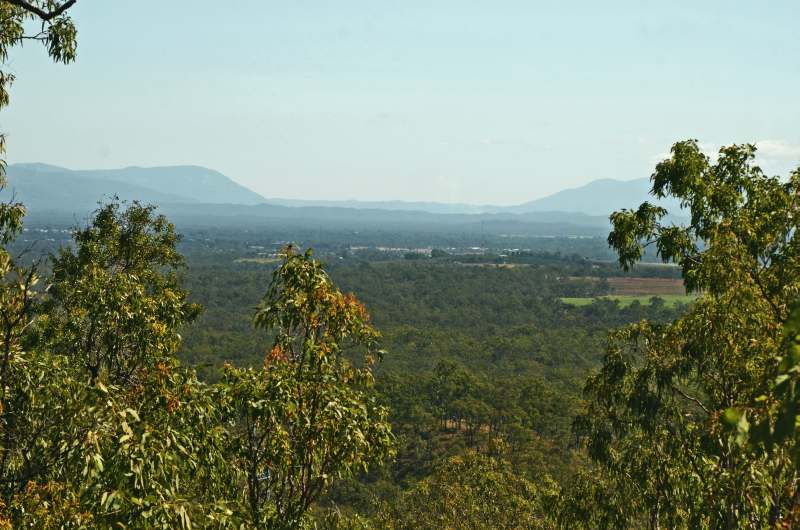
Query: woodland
{"points": [[150, 381]]}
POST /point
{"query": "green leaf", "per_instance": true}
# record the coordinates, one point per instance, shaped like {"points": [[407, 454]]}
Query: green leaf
{"points": [[732, 416]]}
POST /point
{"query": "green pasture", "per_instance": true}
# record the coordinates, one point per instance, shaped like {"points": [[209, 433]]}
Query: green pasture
{"points": [[625, 300]]}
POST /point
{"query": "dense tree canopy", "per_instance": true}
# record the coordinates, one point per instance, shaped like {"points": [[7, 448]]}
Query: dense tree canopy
{"points": [[308, 416], [100, 426], [689, 421], [471, 492], [654, 421]]}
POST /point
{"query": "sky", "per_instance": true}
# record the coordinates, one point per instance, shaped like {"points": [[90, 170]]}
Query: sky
{"points": [[486, 102]]}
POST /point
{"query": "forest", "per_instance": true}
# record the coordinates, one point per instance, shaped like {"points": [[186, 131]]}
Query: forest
{"points": [[145, 388], [242, 379]]}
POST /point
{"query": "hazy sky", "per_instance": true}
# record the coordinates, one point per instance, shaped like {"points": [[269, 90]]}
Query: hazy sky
{"points": [[475, 101]]}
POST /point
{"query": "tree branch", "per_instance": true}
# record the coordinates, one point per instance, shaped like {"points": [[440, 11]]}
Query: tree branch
{"points": [[692, 399], [44, 15], [775, 309]]}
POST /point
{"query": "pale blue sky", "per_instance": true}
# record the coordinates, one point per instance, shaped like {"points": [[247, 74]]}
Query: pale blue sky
{"points": [[472, 101]]}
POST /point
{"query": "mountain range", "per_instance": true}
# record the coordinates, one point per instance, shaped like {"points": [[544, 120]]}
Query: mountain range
{"points": [[206, 196], [598, 197], [46, 187]]}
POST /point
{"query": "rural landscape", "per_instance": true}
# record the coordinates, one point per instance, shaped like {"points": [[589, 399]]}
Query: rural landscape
{"points": [[180, 348]]}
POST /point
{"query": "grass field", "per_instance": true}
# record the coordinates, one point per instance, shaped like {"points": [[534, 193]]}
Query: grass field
{"points": [[625, 300]]}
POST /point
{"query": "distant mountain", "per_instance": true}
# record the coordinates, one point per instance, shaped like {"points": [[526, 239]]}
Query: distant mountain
{"points": [[191, 182], [199, 196], [599, 197], [46, 187], [416, 206], [315, 218]]}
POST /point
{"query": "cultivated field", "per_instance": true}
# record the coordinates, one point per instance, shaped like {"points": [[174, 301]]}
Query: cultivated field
{"points": [[628, 290], [646, 286]]}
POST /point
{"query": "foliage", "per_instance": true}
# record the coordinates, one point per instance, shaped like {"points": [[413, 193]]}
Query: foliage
{"points": [[469, 491], [20, 373], [653, 419], [115, 303], [308, 416], [101, 426], [690, 422], [106, 450], [477, 353]]}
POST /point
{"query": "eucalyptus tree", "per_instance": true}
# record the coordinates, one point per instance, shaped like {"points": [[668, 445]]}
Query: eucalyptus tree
{"points": [[768, 425], [115, 302], [102, 426], [470, 491], [309, 415], [17, 283], [653, 420]]}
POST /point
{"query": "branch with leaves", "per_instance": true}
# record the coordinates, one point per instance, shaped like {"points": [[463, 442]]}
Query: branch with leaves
{"points": [[45, 10], [673, 412]]}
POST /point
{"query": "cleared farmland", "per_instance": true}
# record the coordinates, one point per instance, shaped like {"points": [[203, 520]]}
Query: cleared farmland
{"points": [[631, 289], [646, 286], [670, 300]]}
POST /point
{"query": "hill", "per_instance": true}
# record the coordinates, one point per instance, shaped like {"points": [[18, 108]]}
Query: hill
{"points": [[197, 183], [319, 217], [50, 189], [406, 206], [46, 187], [198, 196], [597, 198], [43, 186]]}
